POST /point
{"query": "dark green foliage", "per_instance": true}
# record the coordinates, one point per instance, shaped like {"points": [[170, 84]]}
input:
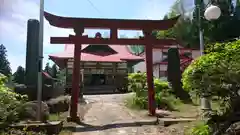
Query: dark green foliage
{"points": [[200, 129], [61, 75], [19, 75], [136, 49], [4, 63], [174, 74], [187, 31], [54, 71], [10, 103], [226, 27], [164, 96], [216, 73], [48, 69]]}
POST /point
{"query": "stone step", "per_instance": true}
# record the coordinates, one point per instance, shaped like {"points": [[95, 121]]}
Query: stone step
{"points": [[170, 121]]}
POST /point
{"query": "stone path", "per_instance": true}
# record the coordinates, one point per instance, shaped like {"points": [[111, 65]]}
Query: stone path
{"points": [[109, 116]]}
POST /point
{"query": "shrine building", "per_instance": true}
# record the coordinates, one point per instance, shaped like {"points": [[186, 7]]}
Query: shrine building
{"points": [[102, 66]]}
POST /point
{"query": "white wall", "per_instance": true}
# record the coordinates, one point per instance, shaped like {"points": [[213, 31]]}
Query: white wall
{"points": [[163, 68], [195, 54], [157, 56], [156, 71], [140, 67]]}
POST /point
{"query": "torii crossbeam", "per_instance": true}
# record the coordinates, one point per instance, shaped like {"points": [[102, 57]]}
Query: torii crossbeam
{"points": [[79, 24]]}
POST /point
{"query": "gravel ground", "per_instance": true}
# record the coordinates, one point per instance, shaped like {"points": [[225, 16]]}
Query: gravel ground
{"points": [[109, 116]]}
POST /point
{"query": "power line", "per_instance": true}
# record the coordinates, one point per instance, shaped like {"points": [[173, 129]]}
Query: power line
{"points": [[95, 7]]}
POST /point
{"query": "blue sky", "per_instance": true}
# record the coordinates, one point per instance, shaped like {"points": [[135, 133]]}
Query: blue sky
{"points": [[15, 13]]}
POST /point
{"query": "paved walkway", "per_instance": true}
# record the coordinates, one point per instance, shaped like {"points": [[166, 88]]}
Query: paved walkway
{"points": [[109, 116]]}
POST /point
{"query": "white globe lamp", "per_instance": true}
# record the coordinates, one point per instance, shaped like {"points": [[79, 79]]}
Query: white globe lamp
{"points": [[212, 13]]}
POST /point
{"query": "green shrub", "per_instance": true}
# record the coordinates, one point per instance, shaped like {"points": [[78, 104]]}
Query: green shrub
{"points": [[137, 82], [196, 75], [141, 102], [166, 100], [161, 86], [164, 96], [215, 74], [54, 117], [223, 47], [199, 129], [10, 102]]}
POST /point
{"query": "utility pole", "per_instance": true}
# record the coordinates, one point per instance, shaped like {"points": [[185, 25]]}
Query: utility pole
{"points": [[205, 103], [39, 85]]}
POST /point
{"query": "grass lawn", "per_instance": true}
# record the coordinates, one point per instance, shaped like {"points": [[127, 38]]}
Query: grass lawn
{"points": [[65, 132], [182, 111]]}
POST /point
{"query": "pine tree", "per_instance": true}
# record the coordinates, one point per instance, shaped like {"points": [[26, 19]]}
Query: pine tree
{"points": [[48, 69], [19, 75], [54, 71], [4, 63]]}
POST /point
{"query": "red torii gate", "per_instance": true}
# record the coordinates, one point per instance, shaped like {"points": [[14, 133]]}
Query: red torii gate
{"points": [[79, 24]]}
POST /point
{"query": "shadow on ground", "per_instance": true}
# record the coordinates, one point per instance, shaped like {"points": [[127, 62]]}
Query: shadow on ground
{"points": [[83, 127]]}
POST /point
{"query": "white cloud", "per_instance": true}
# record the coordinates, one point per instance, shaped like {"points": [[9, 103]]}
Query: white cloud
{"points": [[154, 9], [14, 15]]}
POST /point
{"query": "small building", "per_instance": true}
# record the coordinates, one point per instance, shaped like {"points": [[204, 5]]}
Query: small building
{"points": [[103, 67], [160, 60]]}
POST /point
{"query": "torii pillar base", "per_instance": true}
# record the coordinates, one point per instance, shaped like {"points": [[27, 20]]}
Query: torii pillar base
{"points": [[76, 119]]}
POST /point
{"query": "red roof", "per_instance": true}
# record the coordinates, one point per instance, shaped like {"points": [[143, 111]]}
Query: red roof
{"points": [[122, 54]]}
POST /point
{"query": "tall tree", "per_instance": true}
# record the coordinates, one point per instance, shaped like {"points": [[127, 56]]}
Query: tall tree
{"points": [[4, 63], [54, 71], [19, 75], [61, 75], [48, 69], [185, 30], [136, 49], [222, 29]]}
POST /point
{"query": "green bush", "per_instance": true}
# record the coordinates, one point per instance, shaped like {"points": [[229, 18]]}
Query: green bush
{"points": [[164, 96], [216, 74], [196, 75], [199, 129], [10, 102], [223, 47], [140, 102]]}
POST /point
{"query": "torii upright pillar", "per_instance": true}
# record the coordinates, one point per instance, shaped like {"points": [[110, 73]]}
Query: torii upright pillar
{"points": [[149, 68], [76, 78]]}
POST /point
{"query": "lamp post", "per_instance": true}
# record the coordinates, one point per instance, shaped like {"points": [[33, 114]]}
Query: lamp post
{"points": [[212, 12]]}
